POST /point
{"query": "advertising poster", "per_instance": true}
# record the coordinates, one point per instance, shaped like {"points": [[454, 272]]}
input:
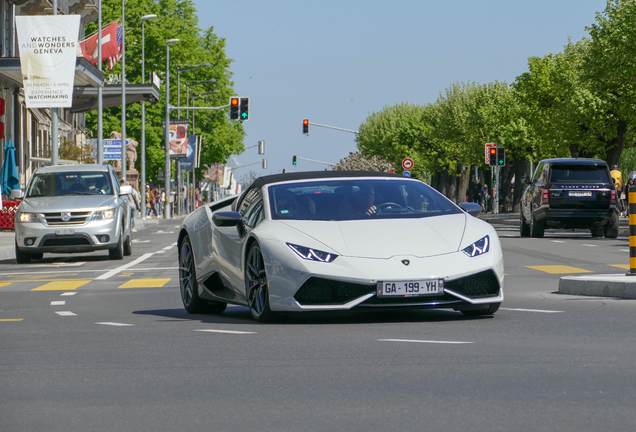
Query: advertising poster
{"points": [[48, 51], [178, 136]]}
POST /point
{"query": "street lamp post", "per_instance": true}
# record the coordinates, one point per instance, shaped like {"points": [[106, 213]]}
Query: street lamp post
{"points": [[143, 117], [123, 91], [166, 133], [194, 181]]}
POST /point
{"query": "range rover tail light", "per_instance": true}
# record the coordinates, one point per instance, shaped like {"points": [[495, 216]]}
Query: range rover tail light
{"points": [[544, 197], [613, 197]]}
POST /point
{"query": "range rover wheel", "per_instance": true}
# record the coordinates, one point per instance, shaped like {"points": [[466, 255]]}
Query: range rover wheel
{"points": [[611, 230], [597, 232], [22, 257], [536, 229], [524, 228], [488, 310]]}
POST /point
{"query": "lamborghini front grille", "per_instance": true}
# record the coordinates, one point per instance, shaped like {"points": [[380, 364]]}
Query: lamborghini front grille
{"points": [[317, 291]]}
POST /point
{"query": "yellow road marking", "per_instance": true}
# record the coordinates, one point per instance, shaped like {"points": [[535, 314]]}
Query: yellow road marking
{"points": [[126, 274], [10, 319], [559, 269], [145, 283], [63, 285], [620, 266], [3, 284], [40, 276]]}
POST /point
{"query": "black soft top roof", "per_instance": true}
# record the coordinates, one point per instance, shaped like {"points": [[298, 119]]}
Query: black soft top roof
{"points": [[310, 175]]}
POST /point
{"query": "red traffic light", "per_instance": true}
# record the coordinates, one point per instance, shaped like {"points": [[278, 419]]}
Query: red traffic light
{"points": [[306, 126], [234, 101], [493, 151]]}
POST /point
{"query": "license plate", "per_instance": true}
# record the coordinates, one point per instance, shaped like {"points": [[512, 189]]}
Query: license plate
{"points": [[410, 288], [65, 231], [580, 193]]}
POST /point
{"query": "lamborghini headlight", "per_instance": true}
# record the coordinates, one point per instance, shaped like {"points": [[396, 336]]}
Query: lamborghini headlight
{"points": [[312, 254], [480, 247], [29, 217], [103, 214]]}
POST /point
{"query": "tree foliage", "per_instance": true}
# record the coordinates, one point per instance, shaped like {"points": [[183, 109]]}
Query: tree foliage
{"points": [[360, 162], [176, 19]]}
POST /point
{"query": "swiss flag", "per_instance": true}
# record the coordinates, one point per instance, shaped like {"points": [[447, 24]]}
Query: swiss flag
{"points": [[110, 48]]}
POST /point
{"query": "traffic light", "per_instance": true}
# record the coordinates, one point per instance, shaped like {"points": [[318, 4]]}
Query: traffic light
{"points": [[234, 108], [306, 126], [261, 147], [501, 156], [264, 163], [245, 109], [294, 160], [492, 156]]}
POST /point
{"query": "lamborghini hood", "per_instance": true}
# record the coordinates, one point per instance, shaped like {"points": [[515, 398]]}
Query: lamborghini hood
{"points": [[386, 238]]}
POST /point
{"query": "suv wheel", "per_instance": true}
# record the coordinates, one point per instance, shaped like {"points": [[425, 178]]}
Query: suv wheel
{"points": [[536, 229], [524, 228], [597, 232], [611, 230], [22, 257], [118, 252]]}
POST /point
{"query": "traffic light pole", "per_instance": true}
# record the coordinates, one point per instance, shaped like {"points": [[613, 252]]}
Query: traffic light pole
{"points": [[316, 161], [333, 127]]}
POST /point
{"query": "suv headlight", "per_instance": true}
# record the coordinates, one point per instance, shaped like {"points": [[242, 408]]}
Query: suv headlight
{"points": [[312, 254], [480, 247], [29, 217], [103, 214]]}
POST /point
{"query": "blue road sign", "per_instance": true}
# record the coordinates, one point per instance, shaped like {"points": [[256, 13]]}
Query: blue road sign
{"points": [[406, 173]]}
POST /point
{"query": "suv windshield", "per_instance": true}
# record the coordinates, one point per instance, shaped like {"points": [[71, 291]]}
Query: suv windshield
{"points": [[357, 199], [579, 174], [70, 183]]}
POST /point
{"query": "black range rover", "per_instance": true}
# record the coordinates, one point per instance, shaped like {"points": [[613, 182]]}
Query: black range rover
{"points": [[570, 193]]}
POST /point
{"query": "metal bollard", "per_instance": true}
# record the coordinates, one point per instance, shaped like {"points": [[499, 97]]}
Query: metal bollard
{"points": [[632, 230]]}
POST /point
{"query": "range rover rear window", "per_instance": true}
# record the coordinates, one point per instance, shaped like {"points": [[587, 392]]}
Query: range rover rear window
{"points": [[579, 174]]}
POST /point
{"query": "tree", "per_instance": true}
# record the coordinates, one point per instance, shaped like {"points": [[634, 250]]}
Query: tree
{"points": [[359, 162], [176, 19]]}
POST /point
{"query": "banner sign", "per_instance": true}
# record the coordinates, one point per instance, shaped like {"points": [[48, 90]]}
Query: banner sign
{"points": [[191, 156], [112, 149], [48, 51]]}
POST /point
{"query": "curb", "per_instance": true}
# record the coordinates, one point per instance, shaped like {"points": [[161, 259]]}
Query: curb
{"points": [[616, 285]]}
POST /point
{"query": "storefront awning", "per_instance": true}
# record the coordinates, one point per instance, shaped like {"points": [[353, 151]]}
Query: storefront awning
{"points": [[85, 98]]}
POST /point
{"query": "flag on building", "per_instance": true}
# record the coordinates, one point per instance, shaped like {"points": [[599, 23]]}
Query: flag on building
{"points": [[111, 44]]}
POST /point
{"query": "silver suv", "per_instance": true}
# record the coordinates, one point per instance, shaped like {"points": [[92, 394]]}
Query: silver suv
{"points": [[73, 208]]}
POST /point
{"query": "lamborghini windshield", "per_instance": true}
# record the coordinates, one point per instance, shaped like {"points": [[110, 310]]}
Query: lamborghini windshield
{"points": [[345, 199]]}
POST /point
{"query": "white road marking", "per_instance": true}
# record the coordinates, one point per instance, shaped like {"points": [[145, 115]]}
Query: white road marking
{"points": [[531, 310], [168, 247], [68, 293], [60, 264], [589, 245], [154, 268], [425, 341], [58, 303], [141, 241], [175, 243], [225, 331], [161, 251], [112, 273], [558, 241], [65, 313], [164, 232], [624, 250], [115, 324]]}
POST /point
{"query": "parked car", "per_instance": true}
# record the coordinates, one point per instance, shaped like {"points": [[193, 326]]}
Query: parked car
{"points": [[338, 240], [570, 193], [73, 208]]}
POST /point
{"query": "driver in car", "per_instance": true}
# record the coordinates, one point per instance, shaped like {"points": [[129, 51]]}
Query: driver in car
{"points": [[91, 185], [363, 202]]}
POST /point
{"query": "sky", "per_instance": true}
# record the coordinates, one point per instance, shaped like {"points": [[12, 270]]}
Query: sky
{"points": [[335, 62]]}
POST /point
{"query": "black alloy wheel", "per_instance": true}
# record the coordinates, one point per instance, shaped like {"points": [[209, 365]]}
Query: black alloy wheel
{"points": [[189, 286], [256, 285], [128, 246], [611, 230]]}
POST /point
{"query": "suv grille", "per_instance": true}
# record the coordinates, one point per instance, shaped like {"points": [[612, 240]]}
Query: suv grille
{"points": [[484, 284], [324, 291], [77, 218]]}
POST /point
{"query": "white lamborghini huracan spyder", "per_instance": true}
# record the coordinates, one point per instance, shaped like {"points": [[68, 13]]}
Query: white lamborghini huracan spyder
{"points": [[337, 240]]}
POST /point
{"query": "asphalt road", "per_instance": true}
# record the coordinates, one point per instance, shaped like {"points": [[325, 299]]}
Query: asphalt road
{"points": [[92, 344]]}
